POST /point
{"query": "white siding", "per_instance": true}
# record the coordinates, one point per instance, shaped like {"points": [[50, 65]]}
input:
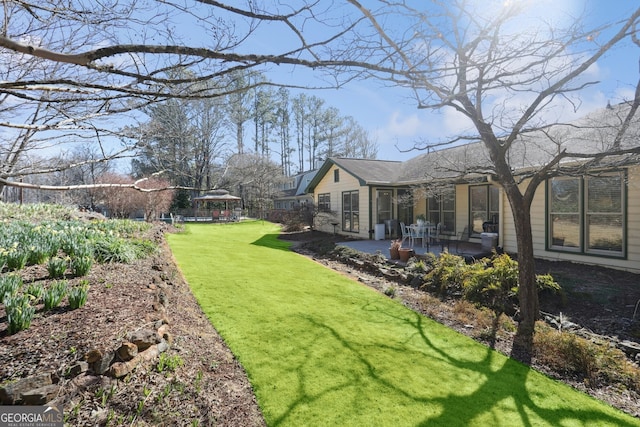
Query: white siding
{"points": [[346, 182]]}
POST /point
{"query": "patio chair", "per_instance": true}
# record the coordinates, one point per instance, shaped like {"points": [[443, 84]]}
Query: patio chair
{"points": [[406, 234], [215, 215], [441, 238], [463, 237]]}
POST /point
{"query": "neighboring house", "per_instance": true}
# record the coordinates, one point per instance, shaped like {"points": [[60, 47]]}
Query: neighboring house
{"points": [[587, 216], [292, 192]]}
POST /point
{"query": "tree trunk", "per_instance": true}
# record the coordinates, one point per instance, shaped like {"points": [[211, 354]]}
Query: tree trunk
{"points": [[527, 290]]}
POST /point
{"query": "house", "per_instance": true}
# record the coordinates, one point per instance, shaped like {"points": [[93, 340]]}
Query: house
{"points": [[584, 215], [292, 192]]}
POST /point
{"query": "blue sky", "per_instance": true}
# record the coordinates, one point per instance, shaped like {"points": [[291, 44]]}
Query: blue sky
{"points": [[391, 116]]}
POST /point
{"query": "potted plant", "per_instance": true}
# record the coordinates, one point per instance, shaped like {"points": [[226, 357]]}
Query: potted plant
{"points": [[420, 219], [405, 254], [394, 249]]}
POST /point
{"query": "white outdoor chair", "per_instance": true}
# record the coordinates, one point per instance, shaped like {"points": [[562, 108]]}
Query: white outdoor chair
{"points": [[406, 234]]}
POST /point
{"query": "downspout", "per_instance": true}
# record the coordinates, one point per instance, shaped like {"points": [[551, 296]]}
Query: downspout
{"points": [[370, 213], [500, 212]]}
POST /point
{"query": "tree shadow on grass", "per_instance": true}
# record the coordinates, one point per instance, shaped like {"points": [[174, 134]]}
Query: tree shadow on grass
{"points": [[273, 242], [500, 392]]}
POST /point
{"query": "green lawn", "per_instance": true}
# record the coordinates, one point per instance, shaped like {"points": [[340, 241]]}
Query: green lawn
{"points": [[321, 349]]}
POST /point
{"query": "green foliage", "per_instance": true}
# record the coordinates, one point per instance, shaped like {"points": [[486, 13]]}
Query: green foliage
{"points": [[116, 249], [52, 296], [546, 284], [19, 312], [169, 363], [447, 275], [34, 211], [35, 290], [15, 259], [9, 285], [144, 248], [492, 282], [77, 295], [81, 265], [390, 291], [56, 267]]}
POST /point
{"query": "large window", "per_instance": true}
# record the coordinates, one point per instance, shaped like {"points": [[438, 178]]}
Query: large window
{"points": [[441, 209], [351, 211], [484, 203], [324, 202], [586, 214]]}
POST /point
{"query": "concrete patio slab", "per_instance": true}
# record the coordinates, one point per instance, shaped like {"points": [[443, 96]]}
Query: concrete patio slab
{"points": [[466, 249]]}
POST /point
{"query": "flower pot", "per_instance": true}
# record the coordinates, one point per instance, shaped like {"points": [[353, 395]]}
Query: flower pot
{"points": [[394, 253], [405, 254]]}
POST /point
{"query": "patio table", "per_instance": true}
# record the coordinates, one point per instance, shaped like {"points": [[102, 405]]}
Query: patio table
{"points": [[421, 231]]}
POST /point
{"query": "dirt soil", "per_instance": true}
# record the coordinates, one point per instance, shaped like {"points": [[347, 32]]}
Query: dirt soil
{"points": [[211, 388]]}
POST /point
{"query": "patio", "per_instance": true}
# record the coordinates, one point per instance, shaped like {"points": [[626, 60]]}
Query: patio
{"points": [[465, 249]]}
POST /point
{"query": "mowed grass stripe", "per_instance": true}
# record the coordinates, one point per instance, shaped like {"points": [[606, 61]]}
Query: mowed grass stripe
{"points": [[321, 349]]}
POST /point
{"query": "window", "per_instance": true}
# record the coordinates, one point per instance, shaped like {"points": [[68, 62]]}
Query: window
{"points": [[484, 207], [441, 208], [351, 211], [586, 214], [336, 175], [324, 202]]}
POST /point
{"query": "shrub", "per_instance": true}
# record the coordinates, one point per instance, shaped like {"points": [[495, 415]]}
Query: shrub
{"points": [[9, 285], [19, 313], [492, 283], [56, 267], [52, 297], [595, 363], [77, 295], [447, 275], [547, 285]]}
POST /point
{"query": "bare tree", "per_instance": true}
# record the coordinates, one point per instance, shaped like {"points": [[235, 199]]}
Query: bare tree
{"points": [[72, 66], [153, 203], [474, 58], [119, 202], [506, 75]]}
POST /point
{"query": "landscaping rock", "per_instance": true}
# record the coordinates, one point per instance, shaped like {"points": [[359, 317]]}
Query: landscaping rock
{"points": [[127, 351], [631, 349], [40, 396], [78, 369], [10, 394], [144, 338], [102, 361]]}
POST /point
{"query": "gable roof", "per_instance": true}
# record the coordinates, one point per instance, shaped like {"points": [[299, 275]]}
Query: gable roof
{"points": [[366, 171], [591, 134], [304, 181]]}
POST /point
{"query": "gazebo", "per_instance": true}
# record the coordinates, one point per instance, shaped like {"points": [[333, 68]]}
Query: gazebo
{"points": [[222, 204]]}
